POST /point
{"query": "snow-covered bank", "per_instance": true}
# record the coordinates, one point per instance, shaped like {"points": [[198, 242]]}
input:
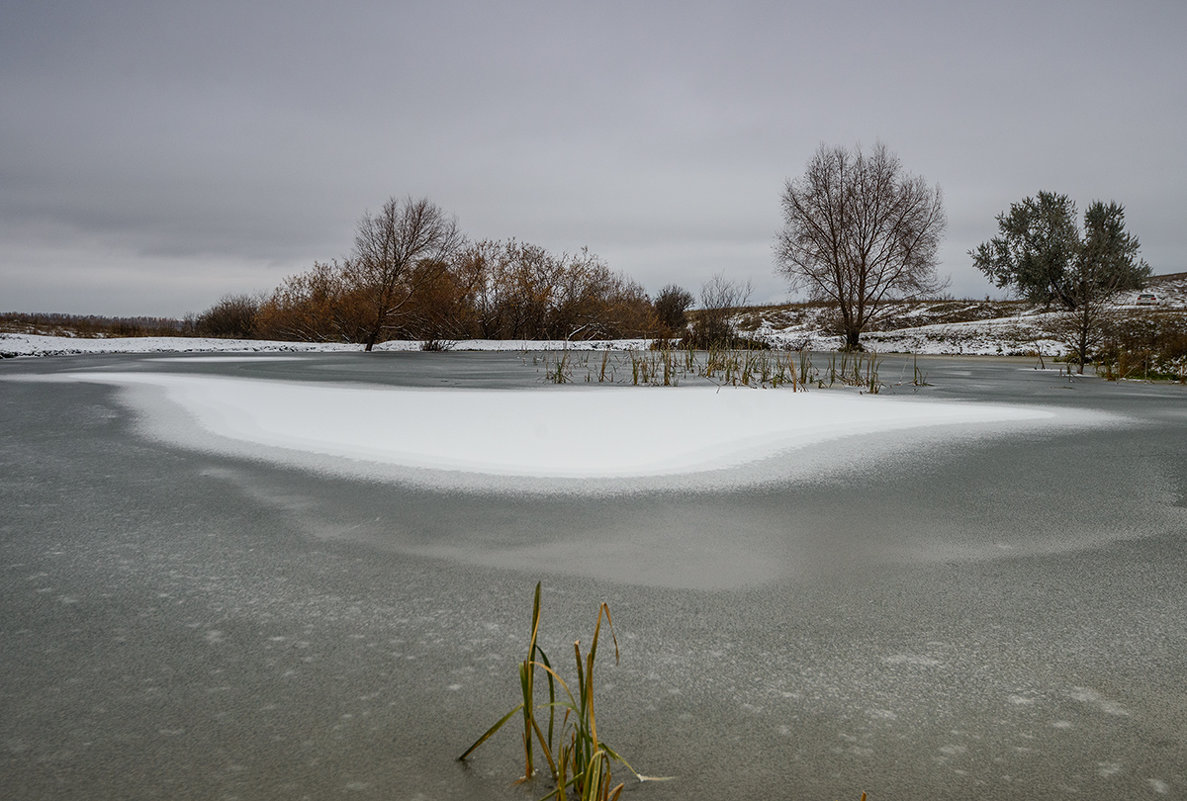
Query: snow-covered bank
{"points": [[608, 434], [1007, 336], [938, 327], [12, 345]]}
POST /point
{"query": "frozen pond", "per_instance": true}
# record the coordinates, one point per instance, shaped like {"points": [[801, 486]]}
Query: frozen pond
{"points": [[219, 582]]}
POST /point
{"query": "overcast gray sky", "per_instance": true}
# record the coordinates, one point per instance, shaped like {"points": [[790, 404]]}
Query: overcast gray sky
{"points": [[155, 156]]}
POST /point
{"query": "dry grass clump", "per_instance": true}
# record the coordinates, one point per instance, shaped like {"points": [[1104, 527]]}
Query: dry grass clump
{"points": [[579, 762]]}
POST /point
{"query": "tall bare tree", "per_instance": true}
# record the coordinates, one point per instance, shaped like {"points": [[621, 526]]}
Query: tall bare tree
{"points": [[400, 250], [859, 231]]}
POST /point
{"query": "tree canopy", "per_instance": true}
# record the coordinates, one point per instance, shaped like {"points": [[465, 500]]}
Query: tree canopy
{"points": [[1041, 254], [671, 306], [858, 231], [412, 275], [398, 251]]}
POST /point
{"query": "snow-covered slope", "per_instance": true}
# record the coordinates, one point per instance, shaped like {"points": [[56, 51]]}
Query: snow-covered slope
{"points": [[951, 326]]}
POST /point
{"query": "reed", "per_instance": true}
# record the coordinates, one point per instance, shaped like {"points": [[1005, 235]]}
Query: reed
{"points": [[806, 369], [605, 364], [920, 376], [663, 365], [579, 762], [559, 371]]}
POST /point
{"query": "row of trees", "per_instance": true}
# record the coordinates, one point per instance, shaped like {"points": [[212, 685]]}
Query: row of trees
{"points": [[859, 231], [412, 275]]}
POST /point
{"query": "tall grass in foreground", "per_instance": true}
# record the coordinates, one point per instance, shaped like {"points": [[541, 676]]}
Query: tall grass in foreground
{"points": [[578, 761], [583, 763]]}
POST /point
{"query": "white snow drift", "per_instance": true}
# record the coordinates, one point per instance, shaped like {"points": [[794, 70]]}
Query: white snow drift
{"points": [[548, 433]]}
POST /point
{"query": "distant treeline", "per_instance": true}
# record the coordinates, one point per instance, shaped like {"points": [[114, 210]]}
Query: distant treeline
{"points": [[91, 325]]}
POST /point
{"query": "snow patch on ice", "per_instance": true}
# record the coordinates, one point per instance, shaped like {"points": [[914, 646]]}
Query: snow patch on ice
{"points": [[1106, 705], [1159, 786], [576, 433]]}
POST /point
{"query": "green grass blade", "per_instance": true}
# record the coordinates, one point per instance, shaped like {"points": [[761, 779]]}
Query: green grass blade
{"points": [[489, 732], [551, 693], [526, 681], [535, 622], [591, 782]]}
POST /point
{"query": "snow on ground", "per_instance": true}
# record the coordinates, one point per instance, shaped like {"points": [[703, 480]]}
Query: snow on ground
{"points": [[1001, 336], [953, 327], [1018, 336], [561, 433]]}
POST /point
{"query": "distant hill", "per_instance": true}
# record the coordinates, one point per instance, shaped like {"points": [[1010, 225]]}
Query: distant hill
{"points": [[989, 327]]}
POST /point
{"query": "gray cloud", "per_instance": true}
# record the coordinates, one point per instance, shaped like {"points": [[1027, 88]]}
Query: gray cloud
{"points": [[175, 152]]}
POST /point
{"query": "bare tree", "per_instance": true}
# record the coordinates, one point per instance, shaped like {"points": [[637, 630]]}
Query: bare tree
{"points": [[859, 231], [720, 298], [398, 251]]}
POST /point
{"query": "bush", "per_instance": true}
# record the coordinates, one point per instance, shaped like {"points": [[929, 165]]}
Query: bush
{"points": [[1152, 345], [233, 317], [671, 306]]}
